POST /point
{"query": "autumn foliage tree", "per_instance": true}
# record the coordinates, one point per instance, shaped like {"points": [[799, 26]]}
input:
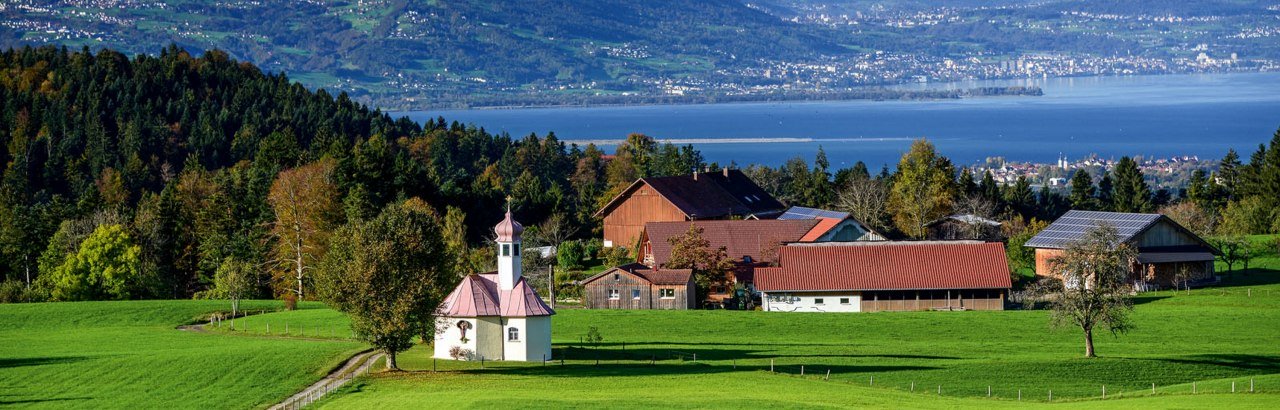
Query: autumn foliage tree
{"points": [[691, 251], [922, 189], [389, 274], [307, 210]]}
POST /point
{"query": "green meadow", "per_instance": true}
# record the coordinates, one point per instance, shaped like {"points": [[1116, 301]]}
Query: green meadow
{"points": [[1191, 345]]}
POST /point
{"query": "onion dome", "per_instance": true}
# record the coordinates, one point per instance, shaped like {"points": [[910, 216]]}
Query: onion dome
{"points": [[508, 230]]}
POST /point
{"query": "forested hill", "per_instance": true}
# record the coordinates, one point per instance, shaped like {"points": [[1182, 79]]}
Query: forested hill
{"points": [[416, 54]]}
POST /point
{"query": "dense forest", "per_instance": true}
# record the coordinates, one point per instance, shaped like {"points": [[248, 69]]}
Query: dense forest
{"points": [[157, 176]]}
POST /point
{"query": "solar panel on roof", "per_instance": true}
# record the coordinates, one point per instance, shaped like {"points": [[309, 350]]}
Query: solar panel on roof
{"points": [[800, 212], [1074, 224]]}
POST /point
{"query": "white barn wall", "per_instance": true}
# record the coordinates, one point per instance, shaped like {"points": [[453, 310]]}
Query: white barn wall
{"points": [[807, 301]]}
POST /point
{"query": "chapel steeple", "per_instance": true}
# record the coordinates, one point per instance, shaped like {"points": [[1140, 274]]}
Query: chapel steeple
{"points": [[508, 251]]}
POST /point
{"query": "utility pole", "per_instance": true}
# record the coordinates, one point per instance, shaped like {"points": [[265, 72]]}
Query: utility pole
{"points": [[551, 283]]}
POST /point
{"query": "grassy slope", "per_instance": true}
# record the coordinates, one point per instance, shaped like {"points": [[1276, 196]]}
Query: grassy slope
{"points": [[1210, 336], [129, 355]]}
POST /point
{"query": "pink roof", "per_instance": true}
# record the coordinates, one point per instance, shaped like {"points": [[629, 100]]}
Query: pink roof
{"points": [[900, 266], [508, 230], [478, 295]]}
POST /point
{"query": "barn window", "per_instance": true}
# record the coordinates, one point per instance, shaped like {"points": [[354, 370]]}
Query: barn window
{"points": [[513, 334], [667, 293], [635, 294], [817, 301], [617, 277], [506, 249], [613, 294], [844, 301]]}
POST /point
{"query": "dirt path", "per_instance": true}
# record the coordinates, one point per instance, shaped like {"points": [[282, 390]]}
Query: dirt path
{"points": [[355, 366]]}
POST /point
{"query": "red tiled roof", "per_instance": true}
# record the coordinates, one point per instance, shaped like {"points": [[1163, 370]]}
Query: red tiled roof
{"points": [[654, 276], [740, 238], [478, 295], [898, 266]]}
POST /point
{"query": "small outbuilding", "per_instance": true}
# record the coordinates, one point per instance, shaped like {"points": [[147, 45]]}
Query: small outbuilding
{"points": [[635, 286], [1165, 248], [886, 276]]}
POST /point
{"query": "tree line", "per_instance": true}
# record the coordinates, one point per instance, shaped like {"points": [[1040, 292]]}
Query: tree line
{"points": [[176, 176]]}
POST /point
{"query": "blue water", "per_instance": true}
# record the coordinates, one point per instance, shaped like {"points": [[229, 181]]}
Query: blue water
{"points": [[1156, 116]]}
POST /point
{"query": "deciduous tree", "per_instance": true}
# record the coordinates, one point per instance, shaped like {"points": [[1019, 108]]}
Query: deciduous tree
{"points": [[305, 201], [390, 274], [691, 251], [922, 189], [1095, 292]]}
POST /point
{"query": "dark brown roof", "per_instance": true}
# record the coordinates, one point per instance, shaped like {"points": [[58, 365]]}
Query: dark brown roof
{"points": [[653, 276], [749, 237], [889, 266], [708, 195]]}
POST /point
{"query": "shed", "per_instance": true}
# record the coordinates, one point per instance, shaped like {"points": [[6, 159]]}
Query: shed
{"points": [[635, 286]]}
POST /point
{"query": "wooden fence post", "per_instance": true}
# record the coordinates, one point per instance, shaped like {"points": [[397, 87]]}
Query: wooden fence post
{"points": [[770, 365]]}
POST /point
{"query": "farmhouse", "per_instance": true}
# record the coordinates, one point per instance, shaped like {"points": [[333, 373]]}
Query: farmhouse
{"points": [[496, 315], [1165, 248], [701, 196], [886, 276], [635, 286]]}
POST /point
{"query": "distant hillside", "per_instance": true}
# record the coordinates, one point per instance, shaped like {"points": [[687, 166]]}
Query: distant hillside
{"points": [[413, 54]]}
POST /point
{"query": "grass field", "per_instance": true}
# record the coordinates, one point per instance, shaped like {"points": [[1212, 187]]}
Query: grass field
{"points": [[130, 355], [1206, 337]]}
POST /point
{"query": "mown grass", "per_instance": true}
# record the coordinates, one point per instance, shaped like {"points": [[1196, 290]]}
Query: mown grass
{"points": [[130, 355], [1209, 337]]}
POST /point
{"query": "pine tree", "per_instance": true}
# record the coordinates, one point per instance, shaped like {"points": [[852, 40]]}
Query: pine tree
{"points": [[1229, 173], [1082, 191], [1131, 191], [1106, 193], [1021, 198], [965, 184]]}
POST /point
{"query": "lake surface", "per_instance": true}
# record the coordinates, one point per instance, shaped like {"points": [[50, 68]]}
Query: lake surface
{"points": [[1156, 116]]}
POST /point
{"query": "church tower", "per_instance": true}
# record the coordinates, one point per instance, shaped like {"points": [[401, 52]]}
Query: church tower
{"points": [[508, 251]]}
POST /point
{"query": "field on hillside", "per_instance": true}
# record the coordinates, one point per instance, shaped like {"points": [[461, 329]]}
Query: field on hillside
{"points": [[130, 355], [1206, 337]]}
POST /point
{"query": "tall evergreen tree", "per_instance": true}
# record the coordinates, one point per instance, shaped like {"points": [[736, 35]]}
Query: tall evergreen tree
{"points": [[1106, 192], [1229, 173], [1082, 191], [965, 183], [1021, 197], [1132, 194]]}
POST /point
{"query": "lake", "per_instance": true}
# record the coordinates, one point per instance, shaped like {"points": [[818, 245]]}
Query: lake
{"points": [[1156, 116]]}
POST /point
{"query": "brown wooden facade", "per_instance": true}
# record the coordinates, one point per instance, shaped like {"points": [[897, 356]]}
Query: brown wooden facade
{"points": [[624, 223], [620, 289], [952, 299], [1165, 251]]}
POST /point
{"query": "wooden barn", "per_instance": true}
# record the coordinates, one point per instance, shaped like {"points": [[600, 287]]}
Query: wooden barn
{"points": [[886, 276], [635, 286], [727, 194], [1165, 248]]}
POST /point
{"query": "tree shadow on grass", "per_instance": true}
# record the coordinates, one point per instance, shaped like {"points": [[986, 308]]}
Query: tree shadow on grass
{"points": [[7, 402], [1262, 364], [669, 368], [6, 363]]}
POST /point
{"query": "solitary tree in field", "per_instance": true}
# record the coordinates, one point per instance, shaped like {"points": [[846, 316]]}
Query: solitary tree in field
{"points": [[305, 200], [233, 281], [1095, 272], [389, 274]]}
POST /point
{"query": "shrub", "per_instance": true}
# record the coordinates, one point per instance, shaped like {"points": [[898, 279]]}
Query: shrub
{"points": [[460, 353], [593, 247], [12, 291], [570, 255], [617, 256]]}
